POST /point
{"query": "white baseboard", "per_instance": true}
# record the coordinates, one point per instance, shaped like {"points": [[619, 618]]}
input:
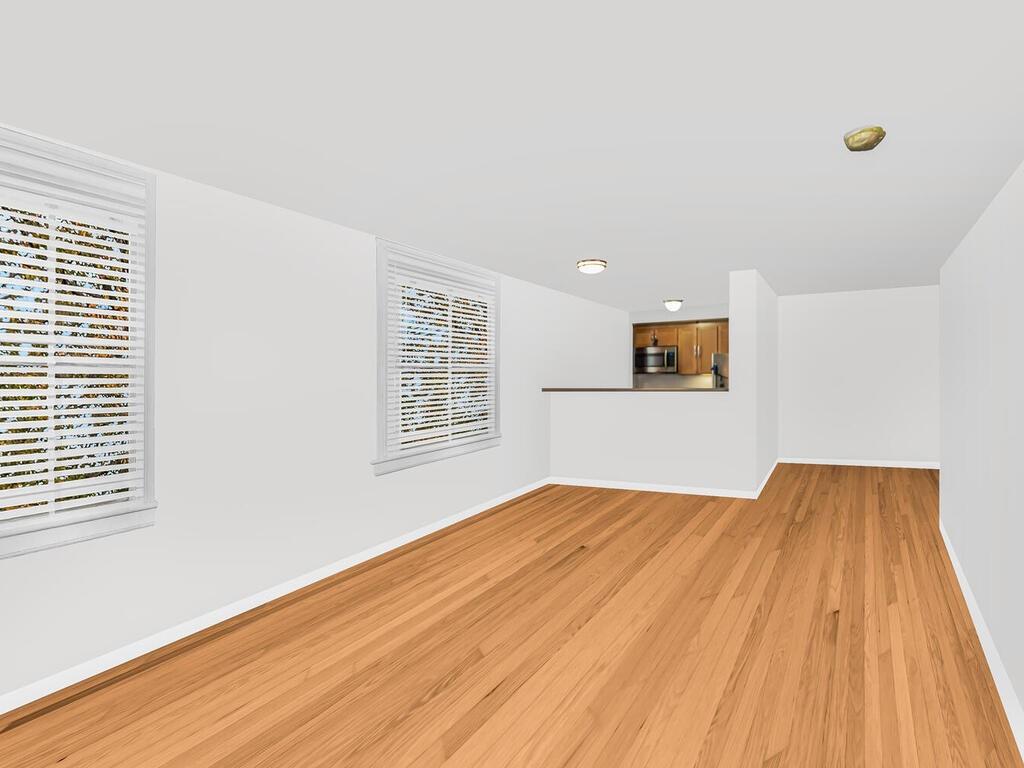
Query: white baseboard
{"points": [[1011, 703], [33, 691], [765, 479], [688, 490], [866, 463], [626, 485]]}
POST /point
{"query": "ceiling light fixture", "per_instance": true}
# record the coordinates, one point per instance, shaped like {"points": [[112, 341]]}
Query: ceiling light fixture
{"points": [[591, 266], [673, 305], [864, 139]]}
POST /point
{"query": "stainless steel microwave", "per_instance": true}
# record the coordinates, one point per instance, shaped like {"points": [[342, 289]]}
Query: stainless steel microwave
{"points": [[654, 360]]}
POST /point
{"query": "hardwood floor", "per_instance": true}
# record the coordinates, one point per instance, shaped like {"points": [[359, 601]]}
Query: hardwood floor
{"points": [[818, 626]]}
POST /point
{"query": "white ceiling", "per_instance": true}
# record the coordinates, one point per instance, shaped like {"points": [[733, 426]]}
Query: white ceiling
{"points": [[677, 140]]}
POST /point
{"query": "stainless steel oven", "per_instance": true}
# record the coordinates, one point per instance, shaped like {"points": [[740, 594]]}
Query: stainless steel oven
{"points": [[654, 360]]}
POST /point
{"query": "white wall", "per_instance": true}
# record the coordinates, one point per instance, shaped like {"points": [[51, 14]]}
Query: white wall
{"points": [[682, 440], [859, 376], [767, 381], [265, 428], [982, 416], [715, 441]]}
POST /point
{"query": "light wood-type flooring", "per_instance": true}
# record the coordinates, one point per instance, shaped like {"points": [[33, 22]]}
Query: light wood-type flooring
{"points": [[820, 625]]}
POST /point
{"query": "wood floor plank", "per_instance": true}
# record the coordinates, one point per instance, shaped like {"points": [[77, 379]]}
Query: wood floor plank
{"points": [[819, 625]]}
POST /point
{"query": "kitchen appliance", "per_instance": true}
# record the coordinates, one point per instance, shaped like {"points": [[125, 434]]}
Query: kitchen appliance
{"points": [[655, 359], [720, 370]]}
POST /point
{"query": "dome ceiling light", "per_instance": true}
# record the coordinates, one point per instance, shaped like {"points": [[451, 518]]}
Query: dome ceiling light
{"points": [[673, 305], [864, 139], [591, 266]]}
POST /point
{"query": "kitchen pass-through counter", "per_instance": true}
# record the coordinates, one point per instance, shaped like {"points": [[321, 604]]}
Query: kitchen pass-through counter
{"points": [[658, 440]]}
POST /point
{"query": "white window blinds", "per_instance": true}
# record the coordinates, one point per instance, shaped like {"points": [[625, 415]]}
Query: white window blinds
{"points": [[438, 357], [74, 397]]}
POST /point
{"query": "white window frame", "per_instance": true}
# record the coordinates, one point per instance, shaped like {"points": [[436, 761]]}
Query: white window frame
{"points": [[384, 463], [34, 534]]}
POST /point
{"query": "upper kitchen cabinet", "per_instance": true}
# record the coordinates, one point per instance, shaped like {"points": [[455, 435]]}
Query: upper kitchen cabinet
{"points": [[654, 336], [641, 336], [668, 336], [723, 336]]}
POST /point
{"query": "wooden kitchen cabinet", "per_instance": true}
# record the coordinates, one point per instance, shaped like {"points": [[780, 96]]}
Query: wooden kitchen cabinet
{"points": [[707, 343], [642, 335], [686, 337], [711, 338], [695, 341], [667, 335]]}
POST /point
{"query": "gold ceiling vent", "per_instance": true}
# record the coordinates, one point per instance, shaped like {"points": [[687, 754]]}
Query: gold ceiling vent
{"points": [[864, 139]]}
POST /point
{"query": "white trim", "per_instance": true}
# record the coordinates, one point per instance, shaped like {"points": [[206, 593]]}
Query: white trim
{"points": [[110, 160], [33, 691], [764, 481], [23, 542], [894, 463], [385, 466], [45, 532], [149, 344], [627, 485], [687, 490], [1004, 686], [382, 344]]}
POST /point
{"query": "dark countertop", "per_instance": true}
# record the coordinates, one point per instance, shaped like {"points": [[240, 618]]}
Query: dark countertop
{"points": [[634, 389]]}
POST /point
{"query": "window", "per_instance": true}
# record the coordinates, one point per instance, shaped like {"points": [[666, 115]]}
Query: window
{"points": [[437, 339], [75, 397]]}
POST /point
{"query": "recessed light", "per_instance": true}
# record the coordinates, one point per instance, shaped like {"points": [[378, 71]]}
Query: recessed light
{"points": [[864, 139], [591, 266], [673, 305]]}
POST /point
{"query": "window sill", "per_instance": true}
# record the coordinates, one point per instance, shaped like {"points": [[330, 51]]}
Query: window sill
{"points": [[24, 542], [386, 466]]}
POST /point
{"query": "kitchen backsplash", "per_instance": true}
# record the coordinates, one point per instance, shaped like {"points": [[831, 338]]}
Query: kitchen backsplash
{"points": [[671, 380]]}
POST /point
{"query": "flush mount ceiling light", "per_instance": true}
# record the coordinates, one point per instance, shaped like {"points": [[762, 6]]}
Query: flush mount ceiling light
{"points": [[673, 305], [591, 266], [864, 139]]}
